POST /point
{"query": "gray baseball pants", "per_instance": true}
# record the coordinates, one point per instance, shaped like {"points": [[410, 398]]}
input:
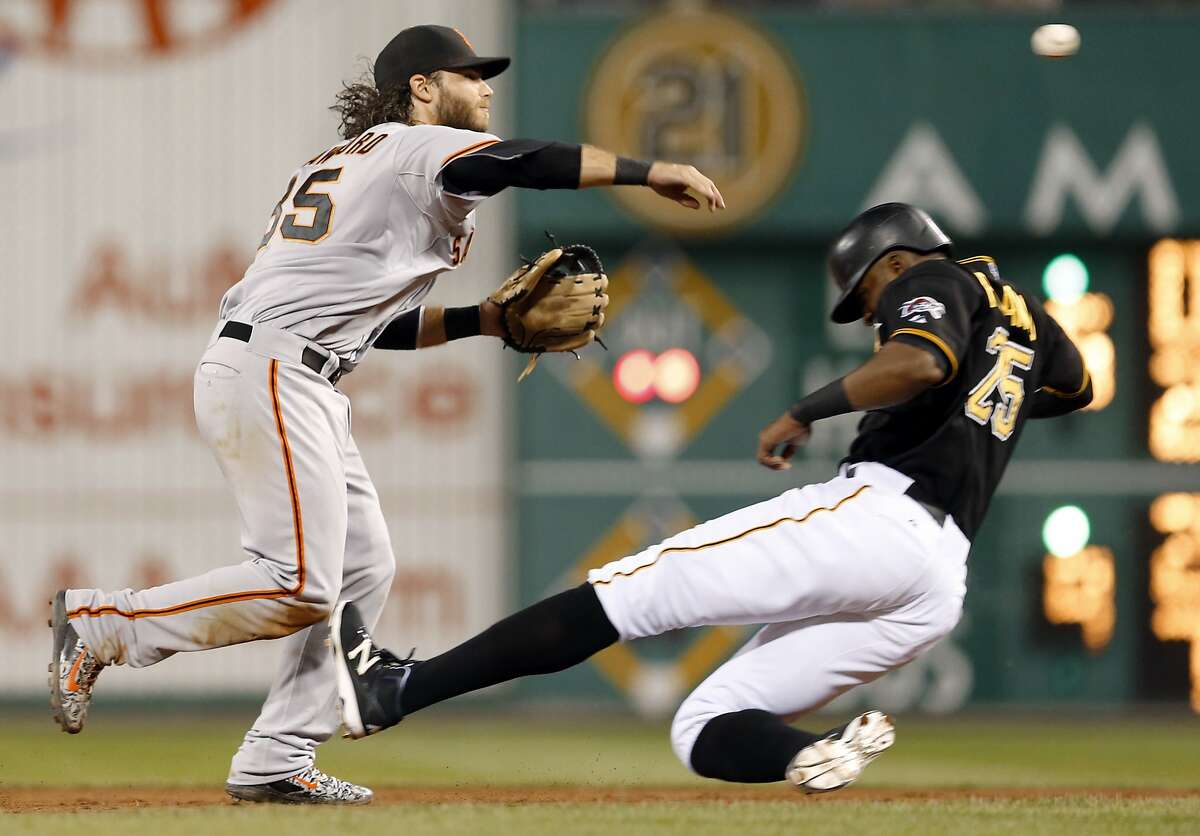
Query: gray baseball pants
{"points": [[312, 534]]}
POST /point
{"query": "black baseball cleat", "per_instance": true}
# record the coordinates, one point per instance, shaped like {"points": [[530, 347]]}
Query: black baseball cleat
{"points": [[363, 668]]}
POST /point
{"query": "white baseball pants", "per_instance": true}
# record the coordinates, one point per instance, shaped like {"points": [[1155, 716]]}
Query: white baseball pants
{"points": [[851, 578], [312, 533]]}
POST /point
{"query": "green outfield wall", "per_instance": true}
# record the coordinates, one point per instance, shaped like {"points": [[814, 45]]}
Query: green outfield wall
{"points": [[803, 120]]}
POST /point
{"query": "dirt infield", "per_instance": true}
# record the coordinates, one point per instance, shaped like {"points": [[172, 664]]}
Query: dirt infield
{"points": [[63, 800]]}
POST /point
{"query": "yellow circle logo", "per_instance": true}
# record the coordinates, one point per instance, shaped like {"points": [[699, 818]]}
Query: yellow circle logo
{"points": [[706, 89]]}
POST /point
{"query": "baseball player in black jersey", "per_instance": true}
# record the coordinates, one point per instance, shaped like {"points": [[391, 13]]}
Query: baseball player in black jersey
{"points": [[851, 578]]}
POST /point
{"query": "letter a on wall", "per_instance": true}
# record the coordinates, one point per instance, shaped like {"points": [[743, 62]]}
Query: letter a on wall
{"points": [[923, 172]]}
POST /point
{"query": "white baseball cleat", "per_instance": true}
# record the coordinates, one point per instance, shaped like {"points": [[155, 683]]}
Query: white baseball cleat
{"points": [[836, 760]]}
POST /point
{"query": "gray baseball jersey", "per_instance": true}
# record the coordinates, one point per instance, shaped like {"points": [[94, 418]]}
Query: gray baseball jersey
{"points": [[385, 230]]}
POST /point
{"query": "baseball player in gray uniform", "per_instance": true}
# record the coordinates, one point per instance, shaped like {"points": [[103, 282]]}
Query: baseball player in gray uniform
{"points": [[356, 242]]}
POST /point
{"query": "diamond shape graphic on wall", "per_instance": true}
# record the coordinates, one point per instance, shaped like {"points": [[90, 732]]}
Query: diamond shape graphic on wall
{"points": [[660, 302]]}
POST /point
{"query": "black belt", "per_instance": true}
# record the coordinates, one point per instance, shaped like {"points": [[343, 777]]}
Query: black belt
{"points": [[310, 357], [939, 514]]}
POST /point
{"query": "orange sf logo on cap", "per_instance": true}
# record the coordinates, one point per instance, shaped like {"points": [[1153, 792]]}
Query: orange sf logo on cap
{"points": [[465, 39]]}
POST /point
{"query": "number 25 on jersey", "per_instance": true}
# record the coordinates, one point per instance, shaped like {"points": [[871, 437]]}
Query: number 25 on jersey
{"points": [[998, 396]]}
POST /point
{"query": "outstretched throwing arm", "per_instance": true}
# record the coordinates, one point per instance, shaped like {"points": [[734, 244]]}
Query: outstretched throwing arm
{"points": [[542, 164]]}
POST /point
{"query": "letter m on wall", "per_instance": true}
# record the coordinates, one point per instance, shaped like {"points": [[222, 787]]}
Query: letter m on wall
{"points": [[1137, 169]]}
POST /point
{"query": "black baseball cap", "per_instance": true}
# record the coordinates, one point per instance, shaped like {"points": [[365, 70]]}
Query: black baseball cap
{"points": [[421, 50]]}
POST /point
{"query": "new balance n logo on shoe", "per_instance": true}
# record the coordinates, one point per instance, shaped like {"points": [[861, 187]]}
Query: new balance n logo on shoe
{"points": [[363, 654]]}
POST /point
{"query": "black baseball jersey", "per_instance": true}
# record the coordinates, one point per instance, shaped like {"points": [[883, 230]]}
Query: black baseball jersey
{"points": [[1005, 360]]}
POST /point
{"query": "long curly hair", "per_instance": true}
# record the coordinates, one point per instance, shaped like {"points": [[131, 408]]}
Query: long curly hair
{"points": [[359, 104]]}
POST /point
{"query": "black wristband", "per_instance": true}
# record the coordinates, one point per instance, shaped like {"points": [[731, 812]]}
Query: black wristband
{"points": [[462, 322], [631, 172], [824, 403]]}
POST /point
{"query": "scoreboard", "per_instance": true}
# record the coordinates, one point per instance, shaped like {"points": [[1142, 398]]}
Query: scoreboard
{"points": [[1173, 325], [1173, 302]]}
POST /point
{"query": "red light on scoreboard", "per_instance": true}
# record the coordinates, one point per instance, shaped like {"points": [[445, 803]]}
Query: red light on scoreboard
{"points": [[673, 376], [676, 375], [633, 375]]}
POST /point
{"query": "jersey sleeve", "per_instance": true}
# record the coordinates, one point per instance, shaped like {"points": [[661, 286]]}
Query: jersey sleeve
{"points": [[421, 156], [1064, 375], [523, 163], [931, 309]]}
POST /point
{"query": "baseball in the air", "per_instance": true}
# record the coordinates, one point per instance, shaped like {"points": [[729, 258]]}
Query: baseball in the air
{"points": [[1055, 40]]}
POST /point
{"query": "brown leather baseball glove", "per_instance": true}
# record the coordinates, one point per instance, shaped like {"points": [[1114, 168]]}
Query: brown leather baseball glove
{"points": [[555, 303]]}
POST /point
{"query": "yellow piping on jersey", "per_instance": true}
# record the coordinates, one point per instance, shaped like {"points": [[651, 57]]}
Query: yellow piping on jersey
{"points": [[756, 528], [939, 342], [1058, 393]]}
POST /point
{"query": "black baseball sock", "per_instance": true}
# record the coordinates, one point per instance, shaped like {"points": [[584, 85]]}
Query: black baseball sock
{"points": [[751, 746], [551, 635]]}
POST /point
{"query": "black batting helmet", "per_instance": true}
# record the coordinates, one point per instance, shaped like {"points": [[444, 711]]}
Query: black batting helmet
{"points": [[880, 229]]}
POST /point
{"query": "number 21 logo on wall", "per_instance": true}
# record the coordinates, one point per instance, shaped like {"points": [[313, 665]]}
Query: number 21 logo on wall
{"points": [[105, 32], [703, 88]]}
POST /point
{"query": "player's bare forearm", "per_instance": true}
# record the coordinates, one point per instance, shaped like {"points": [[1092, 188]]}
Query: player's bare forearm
{"points": [[433, 324], [433, 327], [680, 183], [597, 167], [895, 374], [489, 319]]}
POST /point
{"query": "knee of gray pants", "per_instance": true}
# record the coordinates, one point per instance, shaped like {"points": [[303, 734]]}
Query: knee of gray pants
{"points": [[312, 591], [313, 604], [305, 613]]}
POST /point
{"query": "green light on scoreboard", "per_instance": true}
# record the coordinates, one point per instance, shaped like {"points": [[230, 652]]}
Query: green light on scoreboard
{"points": [[1066, 531], [1065, 279]]}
